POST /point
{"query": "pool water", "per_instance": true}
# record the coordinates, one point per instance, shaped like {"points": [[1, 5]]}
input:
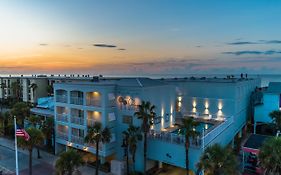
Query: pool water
{"points": [[198, 128]]}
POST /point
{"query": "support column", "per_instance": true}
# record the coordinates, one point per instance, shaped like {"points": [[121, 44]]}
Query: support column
{"points": [[232, 143], [255, 125], [160, 164]]}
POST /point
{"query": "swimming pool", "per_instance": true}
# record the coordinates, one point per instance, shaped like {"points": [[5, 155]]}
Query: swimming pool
{"points": [[198, 128]]}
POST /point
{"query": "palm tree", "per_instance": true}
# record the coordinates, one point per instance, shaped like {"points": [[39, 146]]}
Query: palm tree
{"points": [[132, 136], [189, 131], [48, 130], [50, 90], [5, 117], [21, 110], [97, 134], [270, 156], [276, 119], [68, 161], [34, 121], [36, 138], [217, 160], [146, 114]]}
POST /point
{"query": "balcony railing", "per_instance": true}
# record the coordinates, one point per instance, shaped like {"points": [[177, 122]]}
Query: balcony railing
{"points": [[76, 100], [77, 139], [62, 117], [77, 120], [62, 135], [94, 146], [91, 122], [61, 98], [93, 102]]}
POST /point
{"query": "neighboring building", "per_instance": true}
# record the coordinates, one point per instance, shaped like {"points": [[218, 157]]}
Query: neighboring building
{"points": [[220, 105], [6, 90], [270, 100], [44, 108]]}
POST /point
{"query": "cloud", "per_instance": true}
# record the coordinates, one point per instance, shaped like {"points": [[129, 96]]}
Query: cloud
{"points": [[104, 45], [241, 43], [253, 52], [43, 44], [121, 49], [255, 42]]}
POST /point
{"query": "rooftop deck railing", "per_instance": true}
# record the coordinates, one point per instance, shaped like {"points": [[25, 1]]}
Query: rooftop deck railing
{"points": [[194, 142]]}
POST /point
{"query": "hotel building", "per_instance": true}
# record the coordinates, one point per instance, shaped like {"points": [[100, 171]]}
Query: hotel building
{"points": [[221, 106]]}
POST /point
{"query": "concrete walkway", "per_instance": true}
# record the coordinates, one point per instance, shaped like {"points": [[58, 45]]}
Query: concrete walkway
{"points": [[43, 166]]}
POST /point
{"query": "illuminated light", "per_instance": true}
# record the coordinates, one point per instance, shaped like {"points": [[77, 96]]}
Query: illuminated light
{"points": [[206, 111], [207, 117], [162, 118], [179, 99], [206, 105], [193, 129], [194, 104], [163, 129], [194, 110], [96, 93], [220, 113], [220, 119], [206, 126], [85, 148], [179, 104], [220, 105]]}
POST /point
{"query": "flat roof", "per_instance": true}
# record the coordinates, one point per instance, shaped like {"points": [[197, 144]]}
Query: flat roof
{"points": [[210, 80]]}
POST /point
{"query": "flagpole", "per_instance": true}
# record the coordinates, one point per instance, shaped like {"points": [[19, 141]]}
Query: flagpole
{"points": [[16, 146]]}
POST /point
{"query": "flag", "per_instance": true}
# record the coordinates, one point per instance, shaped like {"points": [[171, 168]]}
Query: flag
{"points": [[22, 133]]}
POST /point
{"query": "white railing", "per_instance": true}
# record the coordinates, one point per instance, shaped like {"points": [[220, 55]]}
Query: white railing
{"points": [[93, 102], [62, 117], [91, 122], [61, 98], [77, 120], [77, 139], [62, 135], [174, 138], [76, 100], [194, 142], [217, 130]]}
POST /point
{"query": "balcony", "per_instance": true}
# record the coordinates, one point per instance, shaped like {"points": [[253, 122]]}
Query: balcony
{"points": [[94, 146], [62, 135], [61, 98], [77, 120], [77, 139], [91, 122], [62, 117], [76, 100], [93, 102]]}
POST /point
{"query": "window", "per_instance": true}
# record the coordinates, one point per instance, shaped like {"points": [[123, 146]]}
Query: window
{"points": [[127, 119]]}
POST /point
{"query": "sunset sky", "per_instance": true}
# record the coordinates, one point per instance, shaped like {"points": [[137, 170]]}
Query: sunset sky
{"points": [[125, 37]]}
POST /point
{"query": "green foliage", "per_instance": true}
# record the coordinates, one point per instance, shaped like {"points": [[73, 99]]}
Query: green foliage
{"points": [[34, 120], [132, 136], [16, 90], [68, 161], [20, 110], [276, 119], [146, 114], [48, 130], [270, 156], [217, 160], [50, 90], [36, 138], [95, 135]]}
